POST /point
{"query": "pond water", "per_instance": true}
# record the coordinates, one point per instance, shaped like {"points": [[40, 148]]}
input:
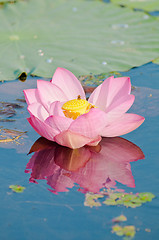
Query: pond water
{"points": [[56, 207]]}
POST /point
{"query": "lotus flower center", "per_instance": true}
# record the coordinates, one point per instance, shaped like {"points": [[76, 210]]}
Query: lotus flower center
{"points": [[76, 107]]}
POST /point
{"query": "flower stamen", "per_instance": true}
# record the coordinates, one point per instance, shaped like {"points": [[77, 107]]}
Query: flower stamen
{"points": [[76, 107]]}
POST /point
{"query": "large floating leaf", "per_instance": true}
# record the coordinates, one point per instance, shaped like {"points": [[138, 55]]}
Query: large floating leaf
{"points": [[147, 5], [83, 36]]}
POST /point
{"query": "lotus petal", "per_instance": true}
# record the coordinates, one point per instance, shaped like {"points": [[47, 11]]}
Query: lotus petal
{"points": [[75, 140], [89, 124], [50, 93], [31, 96], [38, 111], [58, 122], [109, 91], [56, 109], [67, 81], [42, 128], [125, 124]]}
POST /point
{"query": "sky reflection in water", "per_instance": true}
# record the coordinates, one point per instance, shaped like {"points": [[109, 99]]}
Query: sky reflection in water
{"points": [[92, 168]]}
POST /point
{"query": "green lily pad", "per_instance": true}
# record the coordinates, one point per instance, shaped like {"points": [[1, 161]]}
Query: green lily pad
{"points": [[17, 188], [113, 198], [147, 5], [91, 200], [127, 231], [146, 197], [82, 36], [128, 200]]}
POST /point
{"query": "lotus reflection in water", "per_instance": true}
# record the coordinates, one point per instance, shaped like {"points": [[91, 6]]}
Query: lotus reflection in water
{"points": [[92, 168]]}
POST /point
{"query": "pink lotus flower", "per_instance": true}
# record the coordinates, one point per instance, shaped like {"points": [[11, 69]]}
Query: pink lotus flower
{"points": [[91, 167], [60, 112]]}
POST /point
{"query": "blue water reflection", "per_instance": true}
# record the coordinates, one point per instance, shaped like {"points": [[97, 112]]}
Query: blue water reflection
{"points": [[92, 168]]}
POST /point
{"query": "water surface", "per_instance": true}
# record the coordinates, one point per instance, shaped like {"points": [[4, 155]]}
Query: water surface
{"points": [[54, 208]]}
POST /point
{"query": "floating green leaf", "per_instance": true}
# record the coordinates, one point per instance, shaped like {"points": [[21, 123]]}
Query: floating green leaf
{"points": [[146, 197], [17, 188], [82, 36], [91, 200], [120, 218], [127, 231], [128, 200], [112, 199], [118, 198], [147, 5]]}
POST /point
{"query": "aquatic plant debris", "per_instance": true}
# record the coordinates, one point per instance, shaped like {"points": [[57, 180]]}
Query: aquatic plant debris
{"points": [[2, 2], [118, 198], [147, 5], [9, 135], [127, 231], [96, 79], [8, 110], [156, 60], [10, 1], [120, 218], [17, 188], [83, 55]]}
